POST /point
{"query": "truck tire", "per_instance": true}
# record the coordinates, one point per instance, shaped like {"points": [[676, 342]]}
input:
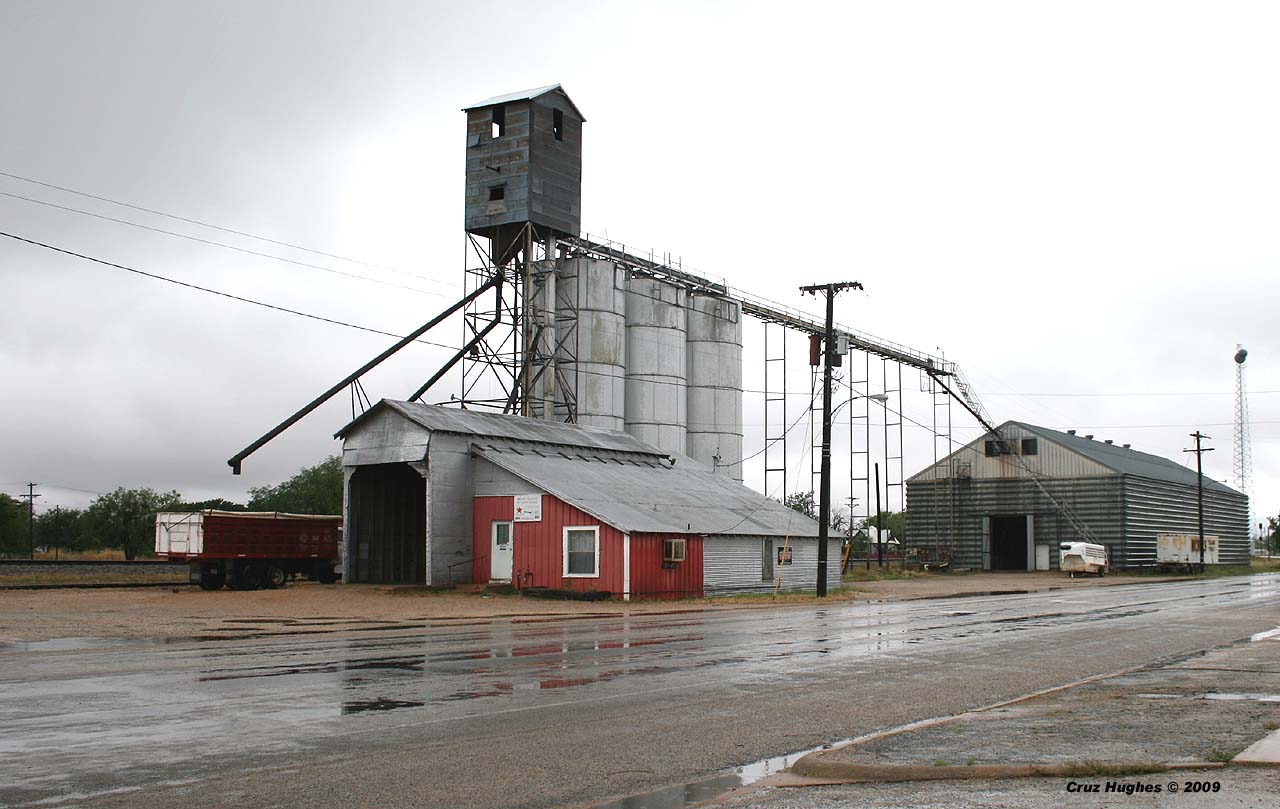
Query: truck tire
{"points": [[212, 581], [275, 577], [247, 576]]}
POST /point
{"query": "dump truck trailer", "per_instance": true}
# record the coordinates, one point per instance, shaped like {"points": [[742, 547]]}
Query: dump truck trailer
{"points": [[251, 549]]}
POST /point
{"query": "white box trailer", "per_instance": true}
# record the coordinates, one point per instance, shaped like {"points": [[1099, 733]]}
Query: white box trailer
{"points": [[1082, 558], [1183, 550]]}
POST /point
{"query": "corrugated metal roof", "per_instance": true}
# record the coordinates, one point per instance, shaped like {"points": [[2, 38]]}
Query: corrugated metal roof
{"points": [[525, 95], [638, 495], [1126, 461], [517, 428]]}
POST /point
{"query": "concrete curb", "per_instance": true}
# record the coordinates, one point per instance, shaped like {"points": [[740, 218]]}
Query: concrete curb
{"points": [[813, 766]]}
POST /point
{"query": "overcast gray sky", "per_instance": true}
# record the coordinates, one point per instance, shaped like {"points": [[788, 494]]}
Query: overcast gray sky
{"points": [[1076, 201]]}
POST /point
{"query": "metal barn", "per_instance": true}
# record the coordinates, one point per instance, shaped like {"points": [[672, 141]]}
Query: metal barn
{"points": [[436, 495], [1005, 502]]}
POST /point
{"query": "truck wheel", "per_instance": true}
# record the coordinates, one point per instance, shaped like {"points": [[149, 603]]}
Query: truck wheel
{"points": [[275, 577], [247, 577], [212, 582]]}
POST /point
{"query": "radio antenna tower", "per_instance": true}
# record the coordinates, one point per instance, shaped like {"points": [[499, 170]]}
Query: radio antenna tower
{"points": [[1242, 466]]}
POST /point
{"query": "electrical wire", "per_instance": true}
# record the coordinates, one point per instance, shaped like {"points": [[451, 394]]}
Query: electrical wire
{"points": [[224, 229], [215, 291], [226, 246]]}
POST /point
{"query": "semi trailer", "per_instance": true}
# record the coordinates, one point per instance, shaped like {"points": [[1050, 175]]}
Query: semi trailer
{"points": [[251, 549]]}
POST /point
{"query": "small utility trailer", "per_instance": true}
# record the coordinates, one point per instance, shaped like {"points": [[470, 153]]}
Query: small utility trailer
{"points": [[1082, 558], [1182, 551], [251, 549]]}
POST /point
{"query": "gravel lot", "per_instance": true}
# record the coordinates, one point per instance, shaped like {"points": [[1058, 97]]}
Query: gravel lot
{"points": [[184, 611]]}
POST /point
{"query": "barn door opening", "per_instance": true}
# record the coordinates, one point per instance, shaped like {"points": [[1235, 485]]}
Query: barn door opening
{"points": [[1009, 543], [388, 524]]}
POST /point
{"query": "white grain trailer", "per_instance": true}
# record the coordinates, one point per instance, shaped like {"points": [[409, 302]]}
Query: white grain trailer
{"points": [[1082, 558]]}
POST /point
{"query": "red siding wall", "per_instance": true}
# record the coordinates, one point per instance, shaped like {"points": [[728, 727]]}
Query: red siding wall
{"points": [[650, 580], [485, 512], [539, 546], [539, 553]]}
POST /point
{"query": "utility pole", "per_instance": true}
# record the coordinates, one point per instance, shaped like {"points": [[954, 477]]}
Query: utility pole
{"points": [[1200, 451], [828, 357], [31, 517], [879, 527]]}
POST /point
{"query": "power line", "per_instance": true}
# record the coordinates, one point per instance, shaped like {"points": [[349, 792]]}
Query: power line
{"points": [[214, 291], [224, 229], [224, 245]]}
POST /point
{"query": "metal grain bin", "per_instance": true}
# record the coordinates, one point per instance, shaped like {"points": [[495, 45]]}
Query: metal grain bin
{"points": [[594, 345], [656, 364], [714, 352]]}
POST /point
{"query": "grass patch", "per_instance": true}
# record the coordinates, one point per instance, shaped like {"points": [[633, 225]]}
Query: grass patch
{"points": [[1271, 725], [941, 762], [859, 573], [1224, 756], [1104, 769]]}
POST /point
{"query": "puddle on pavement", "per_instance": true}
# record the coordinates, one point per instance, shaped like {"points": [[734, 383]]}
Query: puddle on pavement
{"points": [[72, 644], [380, 704], [1244, 697]]}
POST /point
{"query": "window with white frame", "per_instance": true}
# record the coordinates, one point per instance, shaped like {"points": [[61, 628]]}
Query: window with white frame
{"points": [[582, 552], [673, 549]]}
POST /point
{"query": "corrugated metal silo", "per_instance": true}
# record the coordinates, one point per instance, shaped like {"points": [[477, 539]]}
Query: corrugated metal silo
{"points": [[714, 353], [595, 357], [656, 365]]}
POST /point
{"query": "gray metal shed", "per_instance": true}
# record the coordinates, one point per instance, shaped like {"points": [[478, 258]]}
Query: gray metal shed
{"points": [[997, 502]]}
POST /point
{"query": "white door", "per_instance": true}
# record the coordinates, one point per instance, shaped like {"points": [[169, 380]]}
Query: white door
{"points": [[500, 552]]}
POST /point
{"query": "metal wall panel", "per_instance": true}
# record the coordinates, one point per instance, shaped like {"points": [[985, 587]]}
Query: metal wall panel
{"points": [[1157, 507], [1096, 502], [449, 503], [735, 565]]}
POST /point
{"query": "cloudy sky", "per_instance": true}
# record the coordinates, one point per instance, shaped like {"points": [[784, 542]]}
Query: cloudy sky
{"points": [[1075, 201]]}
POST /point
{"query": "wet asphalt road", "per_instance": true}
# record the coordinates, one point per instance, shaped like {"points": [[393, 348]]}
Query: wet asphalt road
{"points": [[511, 712]]}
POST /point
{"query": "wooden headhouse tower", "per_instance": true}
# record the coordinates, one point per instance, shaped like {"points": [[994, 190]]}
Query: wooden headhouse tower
{"points": [[523, 205]]}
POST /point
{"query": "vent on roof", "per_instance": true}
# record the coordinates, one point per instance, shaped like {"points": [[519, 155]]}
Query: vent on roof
{"points": [[1071, 432], [1108, 441], [1128, 446], [1089, 437]]}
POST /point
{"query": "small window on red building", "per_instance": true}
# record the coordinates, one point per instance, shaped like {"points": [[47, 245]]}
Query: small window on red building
{"points": [[673, 550], [582, 552]]}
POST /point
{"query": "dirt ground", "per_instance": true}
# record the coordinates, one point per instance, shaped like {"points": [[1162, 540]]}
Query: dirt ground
{"points": [[185, 611]]}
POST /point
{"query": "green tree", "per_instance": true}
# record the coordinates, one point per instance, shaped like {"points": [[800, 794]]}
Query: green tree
{"points": [[126, 519], [13, 527], [895, 521], [217, 504], [1273, 534], [314, 490], [804, 503], [62, 528]]}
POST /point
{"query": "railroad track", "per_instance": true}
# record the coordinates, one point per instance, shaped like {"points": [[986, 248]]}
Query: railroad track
{"points": [[92, 570]]}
